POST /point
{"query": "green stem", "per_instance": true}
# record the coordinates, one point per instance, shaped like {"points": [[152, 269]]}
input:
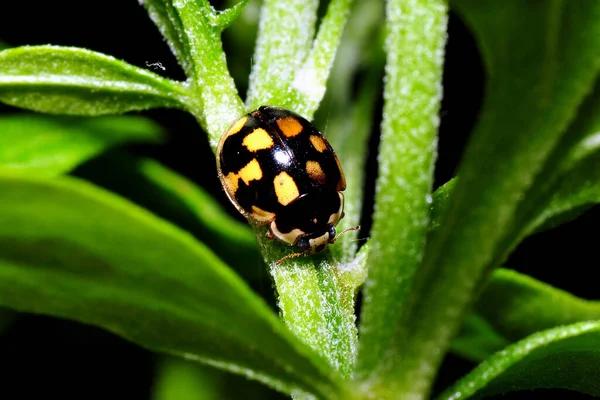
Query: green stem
{"points": [[416, 35], [316, 299], [315, 294], [217, 101], [521, 123]]}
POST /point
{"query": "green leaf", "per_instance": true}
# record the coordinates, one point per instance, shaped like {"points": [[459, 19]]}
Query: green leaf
{"points": [[348, 112], [513, 306], [226, 17], [182, 380], [583, 137], [65, 80], [311, 79], [74, 251], [175, 198], [542, 60], [571, 182], [3, 45], [440, 203], [477, 339], [566, 357], [292, 72], [45, 146], [177, 379], [517, 305], [284, 38], [407, 149], [218, 225], [193, 30], [360, 49], [348, 133]]}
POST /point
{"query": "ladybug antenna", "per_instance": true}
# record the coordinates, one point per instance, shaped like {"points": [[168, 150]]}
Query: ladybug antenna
{"points": [[293, 255], [353, 228]]}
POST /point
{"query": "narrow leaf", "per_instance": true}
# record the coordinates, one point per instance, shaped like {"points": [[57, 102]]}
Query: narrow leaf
{"points": [[403, 193], [293, 73], [517, 305], [569, 186], [278, 56], [542, 60], [513, 306], [570, 182], [566, 357], [74, 251], [583, 138], [348, 111], [348, 133], [175, 198], [183, 380], [207, 211], [65, 80], [225, 18], [310, 81], [178, 379], [576, 191], [477, 339], [45, 146]]}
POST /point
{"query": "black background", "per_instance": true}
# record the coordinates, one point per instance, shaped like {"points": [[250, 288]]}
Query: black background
{"points": [[45, 356]]}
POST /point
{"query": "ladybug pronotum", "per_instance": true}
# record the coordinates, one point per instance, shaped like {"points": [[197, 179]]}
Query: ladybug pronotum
{"points": [[277, 169]]}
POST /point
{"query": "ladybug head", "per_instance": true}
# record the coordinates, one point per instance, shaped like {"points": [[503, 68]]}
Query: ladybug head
{"points": [[309, 221], [316, 242]]}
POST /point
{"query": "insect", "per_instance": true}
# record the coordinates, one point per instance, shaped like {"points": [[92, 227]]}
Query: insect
{"points": [[277, 169]]}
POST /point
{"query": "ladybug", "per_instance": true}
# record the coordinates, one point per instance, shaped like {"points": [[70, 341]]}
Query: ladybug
{"points": [[278, 169]]}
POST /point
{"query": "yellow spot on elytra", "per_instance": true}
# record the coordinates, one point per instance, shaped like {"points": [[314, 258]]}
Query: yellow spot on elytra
{"points": [[289, 126], [341, 185], [318, 142], [315, 172], [236, 126], [231, 183], [261, 215], [285, 188], [251, 172], [259, 139]]}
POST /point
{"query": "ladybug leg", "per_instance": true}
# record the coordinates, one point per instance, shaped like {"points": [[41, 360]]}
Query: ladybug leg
{"points": [[293, 255]]}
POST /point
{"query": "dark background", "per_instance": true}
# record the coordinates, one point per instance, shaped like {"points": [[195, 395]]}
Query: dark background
{"points": [[45, 356]]}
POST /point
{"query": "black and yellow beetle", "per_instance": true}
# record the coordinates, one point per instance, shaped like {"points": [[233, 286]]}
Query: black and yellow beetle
{"points": [[277, 169]]}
